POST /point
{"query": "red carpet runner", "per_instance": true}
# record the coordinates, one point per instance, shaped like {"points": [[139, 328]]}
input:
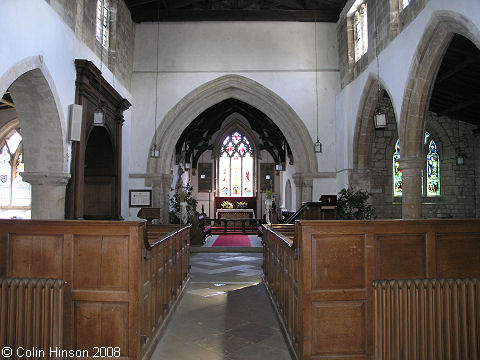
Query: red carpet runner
{"points": [[232, 240]]}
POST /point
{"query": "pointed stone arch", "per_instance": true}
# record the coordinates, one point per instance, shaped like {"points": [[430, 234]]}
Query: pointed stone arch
{"points": [[423, 72], [211, 93], [43, 130], [426, 62], [248, 91], [364, 123]]}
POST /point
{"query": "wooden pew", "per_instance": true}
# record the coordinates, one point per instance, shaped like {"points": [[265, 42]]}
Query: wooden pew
{"points": [[121, 285], [322, 280]]}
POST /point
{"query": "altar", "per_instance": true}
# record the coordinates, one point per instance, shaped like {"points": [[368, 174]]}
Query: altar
{"points": [[235, 214]]}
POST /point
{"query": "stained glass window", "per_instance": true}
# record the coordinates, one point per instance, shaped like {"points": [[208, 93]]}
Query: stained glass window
{"points": [[433, 170], [397, 173], [236, 166], [14, 192]]}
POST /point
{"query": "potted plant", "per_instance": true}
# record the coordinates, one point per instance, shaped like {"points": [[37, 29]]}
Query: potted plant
{"points": [[182, 195], [353, 205]]}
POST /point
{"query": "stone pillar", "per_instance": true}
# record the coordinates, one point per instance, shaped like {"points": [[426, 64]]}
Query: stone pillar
{"points": [[48, 194], [477, 173], [411, 187], [304, 189], [165, 200]]}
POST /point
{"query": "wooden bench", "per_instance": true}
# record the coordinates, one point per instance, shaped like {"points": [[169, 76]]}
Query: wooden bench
{"points": [[322, 279]]}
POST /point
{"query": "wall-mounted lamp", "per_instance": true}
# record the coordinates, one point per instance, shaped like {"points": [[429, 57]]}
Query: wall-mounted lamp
{"points": [[460, 159], [380, 119], [278, 167], [187, 165], [202, 176], [267, 177]]}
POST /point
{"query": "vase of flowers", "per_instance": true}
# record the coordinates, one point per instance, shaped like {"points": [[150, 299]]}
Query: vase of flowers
{"points": [[242, 205], [226, 205]]}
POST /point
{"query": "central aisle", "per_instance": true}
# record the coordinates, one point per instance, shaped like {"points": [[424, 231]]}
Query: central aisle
{"points": [[225, 313]]}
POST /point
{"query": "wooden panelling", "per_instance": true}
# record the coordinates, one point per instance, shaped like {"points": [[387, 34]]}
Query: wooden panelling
{"points": [[120, 287], [458, 255], [35, 256], [338, 262], [339, 328], [400, 256], [101, 324]]}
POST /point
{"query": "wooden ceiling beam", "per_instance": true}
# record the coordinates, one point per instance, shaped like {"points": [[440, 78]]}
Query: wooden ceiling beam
{"points": [[235, 15]]}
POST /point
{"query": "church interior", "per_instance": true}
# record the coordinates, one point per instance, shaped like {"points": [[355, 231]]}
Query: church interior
{"points": [[326, 148]]}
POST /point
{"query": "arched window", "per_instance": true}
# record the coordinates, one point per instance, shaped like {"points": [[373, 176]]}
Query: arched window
{"points": [[432, 169], [404, 4], [14, 192], [397, 173], [236, 166], [360, 31]]}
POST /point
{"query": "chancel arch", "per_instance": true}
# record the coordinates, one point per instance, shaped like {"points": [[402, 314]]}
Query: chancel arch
{"points": [[247, 91], [37, 106]]}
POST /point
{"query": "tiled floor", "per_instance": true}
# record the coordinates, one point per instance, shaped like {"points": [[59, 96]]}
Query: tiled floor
{"points": [[224, 314]]}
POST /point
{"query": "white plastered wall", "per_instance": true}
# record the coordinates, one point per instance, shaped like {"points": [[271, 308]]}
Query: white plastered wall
{"points": [[37, 37], [278, 55]]}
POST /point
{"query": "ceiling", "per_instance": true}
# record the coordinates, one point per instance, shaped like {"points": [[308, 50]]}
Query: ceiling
{"points": [[6, 102], [235, 10], [201, 134], [456, 93]]}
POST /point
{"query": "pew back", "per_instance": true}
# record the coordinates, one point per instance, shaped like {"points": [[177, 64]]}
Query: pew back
{"points": [[339, 260]]}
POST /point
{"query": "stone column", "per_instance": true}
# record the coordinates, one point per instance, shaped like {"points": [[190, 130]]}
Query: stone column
{"points": [[48, 194], [165, 200], [304, 189], [477, 173], [411, 187]]}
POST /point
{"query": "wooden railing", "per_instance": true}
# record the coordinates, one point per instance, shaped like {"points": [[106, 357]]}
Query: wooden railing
{"points": [[427, 319], [121, 284], [281, 274], [336, 263], [165, 271]]}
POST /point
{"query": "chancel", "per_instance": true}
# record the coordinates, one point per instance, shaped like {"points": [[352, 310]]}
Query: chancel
{"points": [[191, 179]]}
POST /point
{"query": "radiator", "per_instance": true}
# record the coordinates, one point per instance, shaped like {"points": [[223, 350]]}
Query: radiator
{"points": [[427, 319], [31, 315]]}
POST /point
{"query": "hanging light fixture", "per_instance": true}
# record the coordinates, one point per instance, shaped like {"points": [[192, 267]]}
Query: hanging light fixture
{"points": [[155, 151], [380, 118], [99, 114], [317, 148]]}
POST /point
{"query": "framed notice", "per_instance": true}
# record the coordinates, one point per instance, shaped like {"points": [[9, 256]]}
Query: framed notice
{"points": [[140, 198]]}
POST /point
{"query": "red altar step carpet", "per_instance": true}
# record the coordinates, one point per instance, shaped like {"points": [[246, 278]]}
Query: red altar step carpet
{"points": [[232, 240]]}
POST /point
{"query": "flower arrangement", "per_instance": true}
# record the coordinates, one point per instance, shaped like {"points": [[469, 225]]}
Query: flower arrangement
{"points": [[242, 205], [226, 205], [182, 194], [269, 194], [352, 205]]}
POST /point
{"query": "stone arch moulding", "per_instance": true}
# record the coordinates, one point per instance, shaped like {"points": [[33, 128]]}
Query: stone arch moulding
{"points": [[248, 91], [40, 114], [423, 71], [42, 122], [364, 124]]}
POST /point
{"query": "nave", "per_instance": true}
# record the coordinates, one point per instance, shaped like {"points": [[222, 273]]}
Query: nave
{"points": [[224, 313]]}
